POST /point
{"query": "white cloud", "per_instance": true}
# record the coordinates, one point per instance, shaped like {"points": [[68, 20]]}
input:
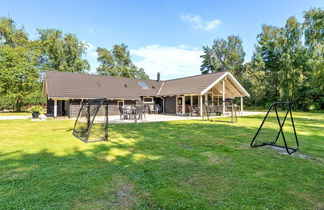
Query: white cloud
{"points": [[170, 61], [91, 56], [91, 50], [93, 30], [198, 23]]}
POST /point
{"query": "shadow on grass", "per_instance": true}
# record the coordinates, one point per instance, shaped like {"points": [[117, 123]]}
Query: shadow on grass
{"points": [[181, 165]]}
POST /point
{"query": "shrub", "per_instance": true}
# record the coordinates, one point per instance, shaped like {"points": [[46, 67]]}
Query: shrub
{"points": [[34, 109]]}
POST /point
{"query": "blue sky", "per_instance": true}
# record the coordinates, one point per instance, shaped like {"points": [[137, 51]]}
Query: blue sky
{"points": [[165, 36]]}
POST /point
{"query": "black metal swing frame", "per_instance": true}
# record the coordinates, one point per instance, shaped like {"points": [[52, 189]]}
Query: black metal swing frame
{"points": [[274, 106], [98, 102]]}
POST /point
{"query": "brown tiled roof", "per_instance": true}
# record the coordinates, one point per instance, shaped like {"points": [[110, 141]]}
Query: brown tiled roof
{"points": [[189, 85], [77, 86]]}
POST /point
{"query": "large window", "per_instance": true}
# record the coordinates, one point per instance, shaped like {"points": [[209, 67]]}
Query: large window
{"points": [[147, 99], [143, 85]]}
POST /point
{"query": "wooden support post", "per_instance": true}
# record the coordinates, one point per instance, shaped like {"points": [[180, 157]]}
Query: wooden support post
{"points": [[191, 106], [177, 104], [183, 104], [213, 98], [201, 105], [206, 98], [241, 105], [55, 108], [223, 92]]}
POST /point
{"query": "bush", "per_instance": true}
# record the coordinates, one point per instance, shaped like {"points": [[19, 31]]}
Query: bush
{"points": [[35, 109]]}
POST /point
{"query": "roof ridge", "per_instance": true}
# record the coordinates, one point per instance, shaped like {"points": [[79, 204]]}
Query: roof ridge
{"points": [[198, 75], [160, 89]]}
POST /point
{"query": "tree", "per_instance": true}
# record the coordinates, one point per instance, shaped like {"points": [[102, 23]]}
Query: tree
{"points": [[224, 55], [293, 62], [18, 73], [117, 62], [254, 80], [10, 35], [282, 53], [22, 61], [313, 26], [314, 41], [61, 52]]}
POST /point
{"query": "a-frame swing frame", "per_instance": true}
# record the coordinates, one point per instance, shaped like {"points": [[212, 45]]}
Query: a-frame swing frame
{"points": [[281, 125]]}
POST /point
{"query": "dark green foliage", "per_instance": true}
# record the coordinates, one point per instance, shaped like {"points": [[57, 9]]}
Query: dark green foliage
{"points": [[288, 63], [224, 55], [117, 63], [22, 62], [35, 109], [10, 35], [293, 70], [61, 52], [18, 73]]}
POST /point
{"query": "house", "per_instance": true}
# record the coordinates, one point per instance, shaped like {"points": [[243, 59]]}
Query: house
{"points": [[65, 92]]}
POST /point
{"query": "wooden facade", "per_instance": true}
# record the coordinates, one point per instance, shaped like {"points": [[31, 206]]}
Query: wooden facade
{"points": [[71, 107]]}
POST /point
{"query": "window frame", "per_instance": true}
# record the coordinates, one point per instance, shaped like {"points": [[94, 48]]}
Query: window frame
{"points": [[148, 102], [122, 101], [143, 83]]}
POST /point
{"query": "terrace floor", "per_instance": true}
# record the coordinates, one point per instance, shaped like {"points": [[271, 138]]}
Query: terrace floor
{"points": [[165, 117], [149, 117]]}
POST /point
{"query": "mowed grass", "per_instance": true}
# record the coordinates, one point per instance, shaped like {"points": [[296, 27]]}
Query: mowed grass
{"points": [[166, 165]]}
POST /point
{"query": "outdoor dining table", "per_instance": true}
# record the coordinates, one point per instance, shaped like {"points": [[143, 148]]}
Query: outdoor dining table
{"points": [[131, 112]]}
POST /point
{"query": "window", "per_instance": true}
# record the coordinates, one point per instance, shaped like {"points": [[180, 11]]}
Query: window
{"points": [[147, 99], [143, 85]]}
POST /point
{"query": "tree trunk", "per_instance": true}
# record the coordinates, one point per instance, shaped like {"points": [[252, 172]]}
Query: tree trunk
{"points": [[18, 105]]}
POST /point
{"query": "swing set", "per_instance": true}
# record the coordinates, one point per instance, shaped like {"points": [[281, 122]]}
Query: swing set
{"points": [[275, 108]]}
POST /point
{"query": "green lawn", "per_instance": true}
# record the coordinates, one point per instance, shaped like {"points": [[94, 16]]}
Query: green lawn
{"points": [[165, 165]]}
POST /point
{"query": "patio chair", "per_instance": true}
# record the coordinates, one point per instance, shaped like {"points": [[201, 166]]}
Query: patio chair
{"points": [[193, 110], [138, 113], [219, 110], [152, 109], [190, 110], [121, 113], [143, 111], [158, 108]]}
